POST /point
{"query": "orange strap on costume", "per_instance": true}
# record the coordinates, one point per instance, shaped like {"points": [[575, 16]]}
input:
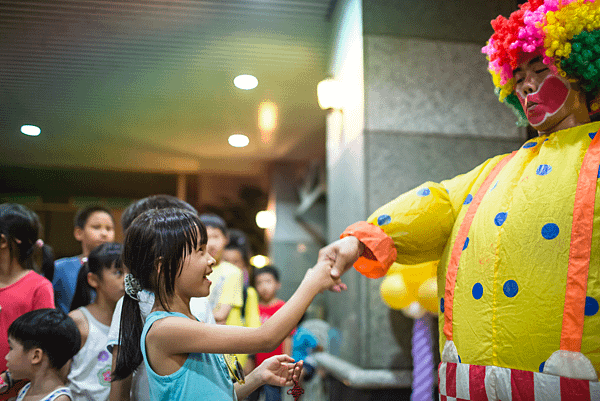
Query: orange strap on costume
{"points": [[379, 252], [459, 244], [579, 253]]}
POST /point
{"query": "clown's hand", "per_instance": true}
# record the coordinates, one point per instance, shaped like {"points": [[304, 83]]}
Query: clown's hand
{"points": [[279, 370], [343, 253]]}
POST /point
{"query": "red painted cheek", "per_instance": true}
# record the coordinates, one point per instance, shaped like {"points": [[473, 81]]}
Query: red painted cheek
{"points": [[548, 100]]}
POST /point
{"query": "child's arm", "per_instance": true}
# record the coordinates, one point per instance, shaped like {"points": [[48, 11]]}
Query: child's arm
{"points": [[174, 336], [278, 370], [119, 389], [82, 325], [287, 345], [221, 313]]}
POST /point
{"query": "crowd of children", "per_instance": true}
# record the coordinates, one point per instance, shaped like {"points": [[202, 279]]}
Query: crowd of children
{"points": [[161, 317]]}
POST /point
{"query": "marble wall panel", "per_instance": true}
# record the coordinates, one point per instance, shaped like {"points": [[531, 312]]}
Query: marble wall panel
{"points": [[426, 86]]}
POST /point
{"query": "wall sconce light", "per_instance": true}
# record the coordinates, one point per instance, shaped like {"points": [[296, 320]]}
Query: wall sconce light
{"points": [[330, 94]]}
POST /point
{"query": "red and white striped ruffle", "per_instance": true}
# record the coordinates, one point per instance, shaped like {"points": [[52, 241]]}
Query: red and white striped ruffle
{"points": [[459, 381]]}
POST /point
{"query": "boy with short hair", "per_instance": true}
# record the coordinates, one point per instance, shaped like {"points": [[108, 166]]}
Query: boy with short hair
{"points": [[41, 343], [266, 282], [94, 225], [226, 291]]}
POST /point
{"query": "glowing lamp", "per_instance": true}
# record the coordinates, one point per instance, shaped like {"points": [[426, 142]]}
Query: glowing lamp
{"points": [[330, 94], [259, 261], [265, 219], [245, 82], [238, 140], [30, 130]]}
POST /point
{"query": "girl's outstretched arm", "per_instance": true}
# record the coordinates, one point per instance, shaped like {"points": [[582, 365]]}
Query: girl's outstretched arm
{"points": [[278, 370], [168, 339]]}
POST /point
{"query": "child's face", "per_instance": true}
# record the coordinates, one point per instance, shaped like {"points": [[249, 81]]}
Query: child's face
{"points": [[17, 360], [235, 257], [98, 229], [266, 286], [192, 281], [216, 242], [111, 285]]}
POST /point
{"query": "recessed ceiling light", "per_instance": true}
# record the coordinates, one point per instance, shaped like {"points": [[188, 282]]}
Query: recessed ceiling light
{"points": [[238, 140], [245, 82], [30, 130]]}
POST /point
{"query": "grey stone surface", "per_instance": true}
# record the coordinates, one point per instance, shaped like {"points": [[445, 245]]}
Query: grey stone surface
{"points": [[464, 21], [428, 86], [398, 162], [345, 205]]}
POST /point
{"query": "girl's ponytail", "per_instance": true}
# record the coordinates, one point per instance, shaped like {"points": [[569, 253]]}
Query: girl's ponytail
{"points": [[100, 258], [83, 294], [129, 355]]}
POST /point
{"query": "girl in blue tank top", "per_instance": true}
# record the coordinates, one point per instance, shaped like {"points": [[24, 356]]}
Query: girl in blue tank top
{"points": [[165, 251]]}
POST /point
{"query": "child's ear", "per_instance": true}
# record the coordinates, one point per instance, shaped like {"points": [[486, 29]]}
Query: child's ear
{"points": [[36, 355], [3, 241], [278, 286], [78, 233], [93, 280]]}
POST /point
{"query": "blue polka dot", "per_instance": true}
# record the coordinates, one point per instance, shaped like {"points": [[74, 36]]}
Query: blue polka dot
{"points": [[599, 172], [550, 231], [511, 288], [423, 192], [543, 169], [469, 197], [592, 135], [466, 244], [384, 219], [459, 360], [500, 219], [495, 185], [591, 306], [529, 145], [477, 291], [542, 366], [442, 304]]}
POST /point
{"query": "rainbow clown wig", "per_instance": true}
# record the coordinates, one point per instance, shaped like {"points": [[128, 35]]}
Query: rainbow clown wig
{"points": [[565, 32]]}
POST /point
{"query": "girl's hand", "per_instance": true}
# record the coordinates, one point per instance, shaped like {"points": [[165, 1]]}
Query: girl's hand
{"points": [[320, 277], [279, 370]]}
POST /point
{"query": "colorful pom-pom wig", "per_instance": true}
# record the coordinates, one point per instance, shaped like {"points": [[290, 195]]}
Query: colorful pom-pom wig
{"points": [[567, 35]]}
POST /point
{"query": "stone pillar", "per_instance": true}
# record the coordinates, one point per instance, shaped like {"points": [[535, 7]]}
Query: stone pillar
{"points": [[421, 108]]}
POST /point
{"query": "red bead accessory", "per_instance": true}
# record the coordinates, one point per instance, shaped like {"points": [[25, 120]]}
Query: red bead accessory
{"points": [[296, 391]]}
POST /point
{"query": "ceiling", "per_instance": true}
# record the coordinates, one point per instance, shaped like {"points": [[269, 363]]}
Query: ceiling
{"points": [[147, 85]]}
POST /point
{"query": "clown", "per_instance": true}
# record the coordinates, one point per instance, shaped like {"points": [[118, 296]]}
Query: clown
{"points": [[518, 237]]}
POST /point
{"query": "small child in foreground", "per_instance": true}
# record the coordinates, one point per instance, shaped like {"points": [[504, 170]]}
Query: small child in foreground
{"points": [[41, 343]]}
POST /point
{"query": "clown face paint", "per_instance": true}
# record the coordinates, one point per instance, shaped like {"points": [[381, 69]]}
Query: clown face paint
{"points": [[548, 99], [550, 102]]}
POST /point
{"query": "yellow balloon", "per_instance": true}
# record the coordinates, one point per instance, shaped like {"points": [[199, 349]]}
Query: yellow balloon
{"points": [[394, 292], [405, 284], [427, 295]]}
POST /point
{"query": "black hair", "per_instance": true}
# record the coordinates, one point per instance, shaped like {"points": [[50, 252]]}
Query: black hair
{"points": [[21, 227], [52, 330], [269, 269], [152, 202], [239, 241], [83, 214], [212, 220], [100, 258], [164, 236], [48, 262]]}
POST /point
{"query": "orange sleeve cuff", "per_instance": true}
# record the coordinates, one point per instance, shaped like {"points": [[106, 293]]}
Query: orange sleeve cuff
{"points": [[379, 252]]}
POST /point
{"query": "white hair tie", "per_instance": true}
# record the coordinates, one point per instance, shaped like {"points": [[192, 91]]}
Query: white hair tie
{"points": [[132, 287]]}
